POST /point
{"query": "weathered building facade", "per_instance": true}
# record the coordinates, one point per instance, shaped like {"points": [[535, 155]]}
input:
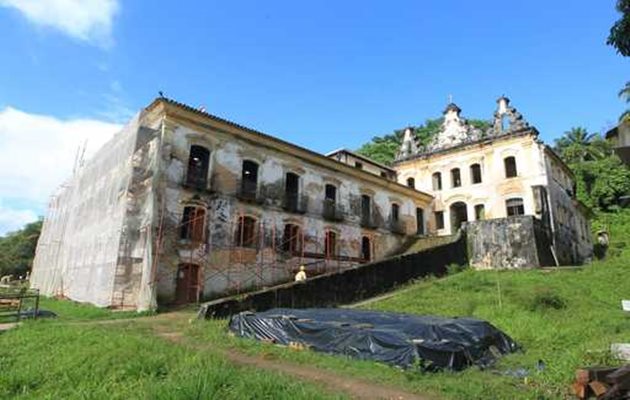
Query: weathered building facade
{"points": [[504, 171], [183, 206]]}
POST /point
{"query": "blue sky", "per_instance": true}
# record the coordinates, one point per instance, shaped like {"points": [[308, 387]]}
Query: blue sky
{"points": [[323, 74]]}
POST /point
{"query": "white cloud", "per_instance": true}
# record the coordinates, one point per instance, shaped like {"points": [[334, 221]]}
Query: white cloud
{"points": [[37, 153], [86, 20]]}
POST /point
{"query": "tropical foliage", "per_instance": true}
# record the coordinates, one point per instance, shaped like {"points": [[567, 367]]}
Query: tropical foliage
{"points": [[601, 177], [619, 36], [383, 149], [17, 249]]}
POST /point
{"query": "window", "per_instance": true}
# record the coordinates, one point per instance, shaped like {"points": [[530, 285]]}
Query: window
{"points": [[246, 232], [475, 173], [291, 191], [395, 212], [411, 182], [249, 179], [358, 165], [437, 181], [419, 221], [515, 207], [510, 167], [330, 244], [193, 224], [198, 162], [456, 179], [366, 249], [366, 210], [330, 202], [439, 219], [480, 212], [383, 174], [292, 239]]}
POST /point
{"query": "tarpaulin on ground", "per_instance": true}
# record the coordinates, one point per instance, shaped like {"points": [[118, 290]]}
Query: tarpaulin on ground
{"points": [[405, 340]]}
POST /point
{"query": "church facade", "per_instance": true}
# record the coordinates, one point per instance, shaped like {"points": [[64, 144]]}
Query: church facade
{"points": [[500, 172]]}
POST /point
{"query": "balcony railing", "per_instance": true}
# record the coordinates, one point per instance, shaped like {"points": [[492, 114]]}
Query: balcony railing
{"points": [[196, 179], [369, 221], [332, 211], [397, 226], [248, 191], [295, 203]]}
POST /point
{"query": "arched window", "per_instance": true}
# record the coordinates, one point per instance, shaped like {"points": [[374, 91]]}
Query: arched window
{"points": [[480, 212], [330, 244], [249, 179], [246, 232], [515, 207], [510, 167], [292, 239], [291, 192], [475, 173], [366, 249], [456, 179], [395, 212], [193, 224], [411, 182], [198, 161], [437, 181]]}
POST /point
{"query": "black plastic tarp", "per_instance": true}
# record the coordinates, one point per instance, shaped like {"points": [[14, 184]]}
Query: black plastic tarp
{"points": [[404, 340]]}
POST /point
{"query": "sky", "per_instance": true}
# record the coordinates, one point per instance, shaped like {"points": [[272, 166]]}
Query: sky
{"points": [[321, 74]]}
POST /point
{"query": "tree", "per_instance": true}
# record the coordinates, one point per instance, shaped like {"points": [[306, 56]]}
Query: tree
{"points": [[17, 249], [625, 94], [383, 149], [576, 146], [601, 178], [619, 36]]}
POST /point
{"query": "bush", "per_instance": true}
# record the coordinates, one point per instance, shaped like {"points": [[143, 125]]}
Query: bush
{"points": [[546, 299]]}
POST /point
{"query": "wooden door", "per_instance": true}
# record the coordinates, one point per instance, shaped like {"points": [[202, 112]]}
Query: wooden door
{"points": [[188, 284]]}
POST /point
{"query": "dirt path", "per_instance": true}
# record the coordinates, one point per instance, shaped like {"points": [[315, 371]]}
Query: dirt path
{"points": [[330, 380]]}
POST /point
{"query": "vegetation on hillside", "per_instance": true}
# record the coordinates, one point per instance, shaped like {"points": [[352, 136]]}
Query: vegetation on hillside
{"points": [[384, 148], [601, 177], [17, 249]]}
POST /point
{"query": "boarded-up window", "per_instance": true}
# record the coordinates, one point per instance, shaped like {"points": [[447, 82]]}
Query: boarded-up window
{"points": [[193, 224], [246, 232], [510, 167], [475, 173], [515, 207]]}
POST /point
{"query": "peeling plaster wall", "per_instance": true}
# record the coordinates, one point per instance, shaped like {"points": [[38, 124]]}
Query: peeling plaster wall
{"points": [[506, 243], [227, 268], [571, 228]]}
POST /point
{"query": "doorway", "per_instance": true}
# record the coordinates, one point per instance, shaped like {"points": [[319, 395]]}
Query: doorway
{"points": [[187, 287], [459, 215]]}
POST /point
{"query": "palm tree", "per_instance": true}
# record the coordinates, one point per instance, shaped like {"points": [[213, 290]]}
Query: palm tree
{"points": [[625, 94], [576, 146]]}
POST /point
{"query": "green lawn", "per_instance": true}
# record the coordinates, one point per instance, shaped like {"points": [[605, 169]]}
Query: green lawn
{"points": [[565, 318], [53, 360]]}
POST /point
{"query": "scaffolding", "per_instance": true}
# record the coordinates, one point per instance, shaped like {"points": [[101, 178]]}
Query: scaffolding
{"points": [[250, 259]]}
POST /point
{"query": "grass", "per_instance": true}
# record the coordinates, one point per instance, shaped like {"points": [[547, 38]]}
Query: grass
{"points": [[49, 360], [566, 318]]}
